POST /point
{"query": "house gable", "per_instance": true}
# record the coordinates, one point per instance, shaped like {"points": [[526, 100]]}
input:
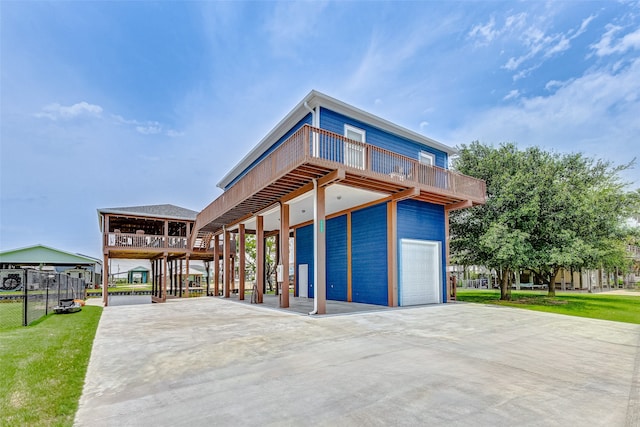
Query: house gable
{"points": [[335, 122], [301, 114], [41, 254], [306, 120]]}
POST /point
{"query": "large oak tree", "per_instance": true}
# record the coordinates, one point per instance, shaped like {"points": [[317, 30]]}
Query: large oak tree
{"points": [[544, 211]]}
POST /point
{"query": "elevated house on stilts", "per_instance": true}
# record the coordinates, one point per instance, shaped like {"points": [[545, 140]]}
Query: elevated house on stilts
{"points": [[361, 202]]}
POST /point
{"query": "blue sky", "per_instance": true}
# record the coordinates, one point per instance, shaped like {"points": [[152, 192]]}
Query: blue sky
{"points": [[107, 104]]}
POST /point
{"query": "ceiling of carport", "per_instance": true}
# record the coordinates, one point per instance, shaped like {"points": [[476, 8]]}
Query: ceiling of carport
{"points": [[337, 198]]}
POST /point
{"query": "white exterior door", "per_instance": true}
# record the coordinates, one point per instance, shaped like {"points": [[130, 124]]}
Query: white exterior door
{"points": [[303, 281], [420, 272]]}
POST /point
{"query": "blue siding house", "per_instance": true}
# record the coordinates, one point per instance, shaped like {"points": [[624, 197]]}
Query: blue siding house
{"points": [[363, 203]]}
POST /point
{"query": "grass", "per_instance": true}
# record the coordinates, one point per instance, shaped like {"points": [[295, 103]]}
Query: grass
{"points": [[120, 288], [43, 368], [10, 314], [619, 308]]}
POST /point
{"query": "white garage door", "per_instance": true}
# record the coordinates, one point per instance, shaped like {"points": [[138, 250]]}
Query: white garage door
{"points": [[420, 272]]}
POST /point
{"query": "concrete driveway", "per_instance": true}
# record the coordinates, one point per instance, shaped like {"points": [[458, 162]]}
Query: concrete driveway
{"points": [[207, 361]]}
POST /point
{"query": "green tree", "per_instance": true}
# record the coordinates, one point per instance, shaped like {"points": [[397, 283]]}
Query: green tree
{"points": [[270, 255], [497, 234], [544, 211]]}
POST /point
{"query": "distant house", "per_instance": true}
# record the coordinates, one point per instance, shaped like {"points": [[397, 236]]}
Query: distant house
{"points": [[138, 274], [159, 233], [47, 258]]}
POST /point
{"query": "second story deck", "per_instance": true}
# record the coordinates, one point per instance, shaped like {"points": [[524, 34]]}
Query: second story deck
{"points": [[145, 232], [312, 153]]}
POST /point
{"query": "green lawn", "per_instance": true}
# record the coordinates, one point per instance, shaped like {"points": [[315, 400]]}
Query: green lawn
{"points": [[620, 308], [11, 315], [43, 368], [120, 288]]}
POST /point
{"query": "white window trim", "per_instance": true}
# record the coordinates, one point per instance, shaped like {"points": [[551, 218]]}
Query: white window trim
{"points": [[355, 130], [354, 148], [425, 155]]}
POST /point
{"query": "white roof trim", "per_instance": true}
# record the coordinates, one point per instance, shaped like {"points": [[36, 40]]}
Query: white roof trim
{"points": [[315, 99], [25, 248], [141, 214]]}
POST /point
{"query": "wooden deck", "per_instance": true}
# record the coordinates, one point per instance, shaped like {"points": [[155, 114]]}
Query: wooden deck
{"points": [[312, 153]]}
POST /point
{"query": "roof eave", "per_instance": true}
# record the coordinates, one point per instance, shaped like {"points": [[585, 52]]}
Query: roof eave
{"points": [[294, 116], [142, 214], [313, 100], [51, 249]]}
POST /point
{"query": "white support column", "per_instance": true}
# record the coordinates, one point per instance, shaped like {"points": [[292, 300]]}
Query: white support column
{"points": [[186, 282], [105, 280]]}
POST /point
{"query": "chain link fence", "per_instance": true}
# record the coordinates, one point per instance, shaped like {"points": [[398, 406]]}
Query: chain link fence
{"points": [[27, 295]]}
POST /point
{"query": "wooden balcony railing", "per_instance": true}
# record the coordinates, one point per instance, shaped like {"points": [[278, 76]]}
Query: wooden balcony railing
{"points": [[320, 147], [336, 148], [143, 241]]}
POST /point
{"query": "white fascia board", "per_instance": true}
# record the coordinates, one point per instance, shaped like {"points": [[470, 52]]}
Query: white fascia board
{"points": [[313, 100], [294, 116], [375, 121], [139, 214], [49, 248]]}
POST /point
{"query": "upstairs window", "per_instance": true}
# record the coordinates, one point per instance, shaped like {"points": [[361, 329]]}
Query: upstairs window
{"points": [[354, 153], [355, 133], [426, 158]]}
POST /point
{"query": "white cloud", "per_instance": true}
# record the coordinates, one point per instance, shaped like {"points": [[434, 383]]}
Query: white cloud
{"points": [[146, 127], [56, 111], [119, 119], [424, 124], [595, 113], [608, 44], [174, 133], [535, 41], [515, 21], [151, 128], [553, 84], [562, 45], [583, 26], [486, 33], [540, 46], [514, 63], [524, 73], [513, 94]]}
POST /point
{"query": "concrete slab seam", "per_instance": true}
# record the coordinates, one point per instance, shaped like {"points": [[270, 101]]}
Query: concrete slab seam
{"points": [[633, 408]]}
